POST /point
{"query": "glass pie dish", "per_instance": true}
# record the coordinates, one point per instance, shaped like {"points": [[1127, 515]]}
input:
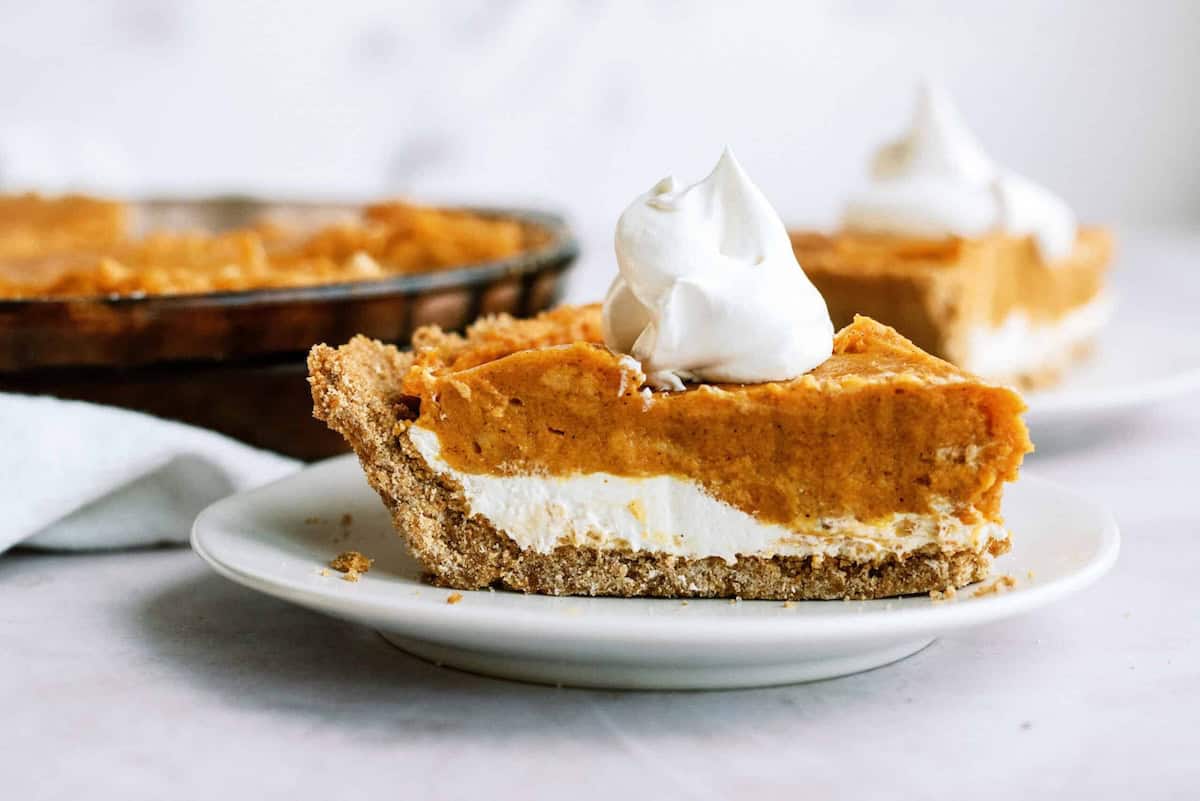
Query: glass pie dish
{"points": [[233, 361]]}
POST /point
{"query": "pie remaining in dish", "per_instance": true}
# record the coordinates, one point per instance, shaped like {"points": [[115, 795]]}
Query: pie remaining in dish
{"points": [[33, 227], [75, 246], [991, 304], [529, 456]]}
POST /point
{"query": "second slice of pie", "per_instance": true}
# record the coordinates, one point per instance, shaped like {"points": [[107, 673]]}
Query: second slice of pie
{"points": [[971, 261]]}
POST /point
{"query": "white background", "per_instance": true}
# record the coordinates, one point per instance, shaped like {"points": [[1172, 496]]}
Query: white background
{"points": [[579, 106]]}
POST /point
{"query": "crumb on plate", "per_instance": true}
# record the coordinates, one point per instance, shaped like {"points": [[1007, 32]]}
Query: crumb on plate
{"points": [[947, 594], [351, 562], [999, 585]]}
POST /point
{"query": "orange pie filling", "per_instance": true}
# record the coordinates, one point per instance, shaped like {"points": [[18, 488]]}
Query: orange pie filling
{"points": [[76, 246]]}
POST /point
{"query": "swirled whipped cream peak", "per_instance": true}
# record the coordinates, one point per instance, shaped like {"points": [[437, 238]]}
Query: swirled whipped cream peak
{"points": [[936, 180], [709, 288]]}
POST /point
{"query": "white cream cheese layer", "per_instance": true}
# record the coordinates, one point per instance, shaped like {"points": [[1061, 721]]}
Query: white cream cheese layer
{"points": [[664, 514], [1021, 345]]}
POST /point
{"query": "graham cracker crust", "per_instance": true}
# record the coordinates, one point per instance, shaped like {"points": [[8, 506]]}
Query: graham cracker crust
{"points": [[356, 392]]}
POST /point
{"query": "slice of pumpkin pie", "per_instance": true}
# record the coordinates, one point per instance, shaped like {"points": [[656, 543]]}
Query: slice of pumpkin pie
{"points": [[971, 261], [666, 444]]}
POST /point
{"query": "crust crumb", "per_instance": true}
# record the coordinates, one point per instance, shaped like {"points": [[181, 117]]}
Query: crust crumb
{"points": [[789, 604], [351, 562], [999, 585], [454, 597], [948, 594], [351, 575]]}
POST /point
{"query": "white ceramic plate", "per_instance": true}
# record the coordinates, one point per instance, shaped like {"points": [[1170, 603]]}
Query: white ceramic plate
{"points": [[1137, 363], [278, 540], [1149, 352]]}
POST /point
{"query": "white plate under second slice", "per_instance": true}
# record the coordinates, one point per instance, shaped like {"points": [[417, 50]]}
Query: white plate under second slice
{"points": [[1148, 353], [278, 540]]}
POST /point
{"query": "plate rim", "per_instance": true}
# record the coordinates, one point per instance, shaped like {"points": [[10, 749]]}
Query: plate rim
{"points": [[541, 622], [1057, 402]]}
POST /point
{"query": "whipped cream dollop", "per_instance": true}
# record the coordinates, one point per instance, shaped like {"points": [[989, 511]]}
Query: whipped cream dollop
{"points": [[936, 180], [709, 287]]}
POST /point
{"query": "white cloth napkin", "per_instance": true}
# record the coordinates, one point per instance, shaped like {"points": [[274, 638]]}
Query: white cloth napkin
{"points": [[77, 476]]}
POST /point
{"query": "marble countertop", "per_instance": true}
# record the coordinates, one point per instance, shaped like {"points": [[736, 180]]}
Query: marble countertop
{"points": [[144, 675]]}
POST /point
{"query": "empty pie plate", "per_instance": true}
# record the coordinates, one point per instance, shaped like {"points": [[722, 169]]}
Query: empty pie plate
{"points": [[279, 540]]}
